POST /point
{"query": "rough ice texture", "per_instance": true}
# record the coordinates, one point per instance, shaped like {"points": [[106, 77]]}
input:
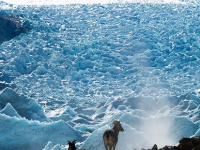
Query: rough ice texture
{"points": [[90, 64], [10, 111], [123, 52], [25, 107], [23, 134]]}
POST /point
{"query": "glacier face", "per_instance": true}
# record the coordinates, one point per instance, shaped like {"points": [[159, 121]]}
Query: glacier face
{"points": [[96, 52], [90, 64]]}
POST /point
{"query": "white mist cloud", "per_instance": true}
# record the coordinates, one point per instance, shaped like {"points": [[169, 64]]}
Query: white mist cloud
{"points": [[161, 130], [158, 130]]}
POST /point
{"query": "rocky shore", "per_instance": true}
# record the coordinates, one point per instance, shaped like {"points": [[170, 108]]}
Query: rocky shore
{"points": [[11, 27]]}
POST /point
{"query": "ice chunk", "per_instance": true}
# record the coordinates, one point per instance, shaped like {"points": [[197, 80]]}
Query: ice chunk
{"points": [[139, 47], [79, 120], [140, 113], [40, 70], [122, 107], [185, 106], [168, 101], [143, 103], [10, 111], [49, 146], [23, 134], [164, 111], [25, 107], [64, 117]]}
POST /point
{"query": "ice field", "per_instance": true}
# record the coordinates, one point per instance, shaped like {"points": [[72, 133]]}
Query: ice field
{"points": [[81, 66]]}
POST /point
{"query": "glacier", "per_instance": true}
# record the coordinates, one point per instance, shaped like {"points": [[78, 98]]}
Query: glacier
{"points": [[81, 66]]}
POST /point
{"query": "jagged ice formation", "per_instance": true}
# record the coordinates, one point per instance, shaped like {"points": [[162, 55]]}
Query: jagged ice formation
{"points": [[82, 66]]}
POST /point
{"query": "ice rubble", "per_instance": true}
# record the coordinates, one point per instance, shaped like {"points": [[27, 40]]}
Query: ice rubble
{"points": [[91, 64], [23, 134], [24, 125], [25, 107], [97, 57], [61, 2]]}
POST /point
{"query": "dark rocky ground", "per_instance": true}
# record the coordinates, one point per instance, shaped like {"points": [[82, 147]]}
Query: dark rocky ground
{"points": [[11, 27], [184, 144]]}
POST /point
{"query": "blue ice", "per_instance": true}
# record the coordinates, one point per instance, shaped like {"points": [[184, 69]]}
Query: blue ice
{"points": [[83, 66]]}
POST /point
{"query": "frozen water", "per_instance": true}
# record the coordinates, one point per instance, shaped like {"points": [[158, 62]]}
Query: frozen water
{"points": [[61, 2], [27, 108], [10, 111], [23, 134], [82, 66]]}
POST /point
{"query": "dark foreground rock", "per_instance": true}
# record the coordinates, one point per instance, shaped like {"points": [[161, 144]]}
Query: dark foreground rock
{"points": [[192, 143], [11, 27]]}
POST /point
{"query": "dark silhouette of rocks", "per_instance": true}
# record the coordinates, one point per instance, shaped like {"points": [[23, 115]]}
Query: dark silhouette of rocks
{"points": [[11, 27], [154, 147]]}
